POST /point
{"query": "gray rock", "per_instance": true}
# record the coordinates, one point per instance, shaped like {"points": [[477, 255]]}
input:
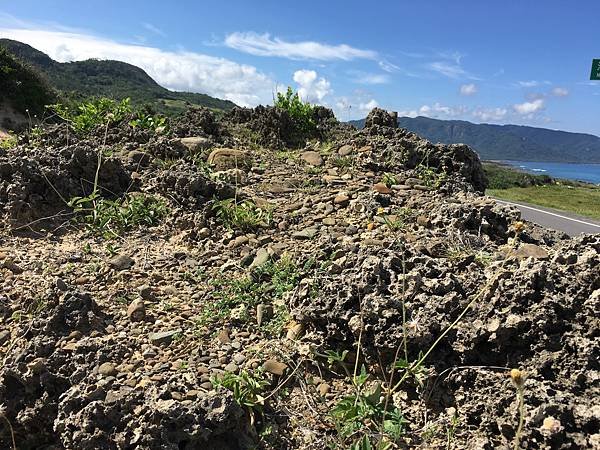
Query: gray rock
{"points": [[163, 337], [312, 158], [121, 262], [307, 233], [136, 310], [261, 258], [107, 369], [196, 144]]}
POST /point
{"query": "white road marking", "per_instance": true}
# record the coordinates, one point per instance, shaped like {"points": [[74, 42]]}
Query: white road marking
{"points": [[549, 213]]}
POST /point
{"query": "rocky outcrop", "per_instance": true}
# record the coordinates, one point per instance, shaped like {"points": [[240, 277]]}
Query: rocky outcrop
{"points": [[241, 320]]}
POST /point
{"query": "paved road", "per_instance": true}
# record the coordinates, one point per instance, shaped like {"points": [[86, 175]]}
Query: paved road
{"points": [[571, 224]]}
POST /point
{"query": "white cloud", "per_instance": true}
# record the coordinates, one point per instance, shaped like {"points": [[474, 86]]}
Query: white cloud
{"points": [[370, 78], [265, 45], [529, 108], [531, 83], [468, 89], [181, 70], [439, 110], [447, 69], [154, 29], [369, 105], [486, 114], [560, 92], [310, 87], [355, 107]]}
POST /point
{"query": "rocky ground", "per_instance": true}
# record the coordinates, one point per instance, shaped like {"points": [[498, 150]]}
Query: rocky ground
{"points": [[360, 288]]}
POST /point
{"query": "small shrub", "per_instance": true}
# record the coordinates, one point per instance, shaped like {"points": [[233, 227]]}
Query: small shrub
{"points": [[247, 389], [389, 179], [242, 215], [302, 113], [430, 177], [89, 115], [368, 415]]}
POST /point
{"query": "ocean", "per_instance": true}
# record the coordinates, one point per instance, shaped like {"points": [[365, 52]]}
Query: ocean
{"points": [[589, 173]]}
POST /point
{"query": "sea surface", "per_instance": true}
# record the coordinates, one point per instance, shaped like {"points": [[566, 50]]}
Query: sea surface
{"points": [[589, 173]]}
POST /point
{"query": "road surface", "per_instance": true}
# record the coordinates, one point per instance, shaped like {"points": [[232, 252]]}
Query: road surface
{"points": [[571, 224]]}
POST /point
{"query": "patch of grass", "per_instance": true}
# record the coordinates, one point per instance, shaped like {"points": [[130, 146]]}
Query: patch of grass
{"points": [[8, 142], [583, 200], [399, 218], [342, 162], [113, 217], [240, 295], [242, 215]]}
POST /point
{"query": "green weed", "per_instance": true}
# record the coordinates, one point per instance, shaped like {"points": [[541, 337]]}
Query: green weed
{"points": [[247, 389], [242, 215], [302, 113], [112, 217], [430, 177]]}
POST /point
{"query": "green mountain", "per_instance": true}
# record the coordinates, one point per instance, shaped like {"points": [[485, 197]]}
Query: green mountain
{"points": [[507, 142], [23, 89], [106, 78]]}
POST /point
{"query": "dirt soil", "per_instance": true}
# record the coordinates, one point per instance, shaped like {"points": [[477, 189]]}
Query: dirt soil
{"points": [[375, 249]]}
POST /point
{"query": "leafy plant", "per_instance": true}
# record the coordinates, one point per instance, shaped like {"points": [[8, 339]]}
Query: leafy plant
{"points": [[398, 219], [247, 389], [242, 215], [389, 179], [302, 113], [148, 121], [91, 114], [430, 177], [368, 415], [112, 217], [8, 142]]}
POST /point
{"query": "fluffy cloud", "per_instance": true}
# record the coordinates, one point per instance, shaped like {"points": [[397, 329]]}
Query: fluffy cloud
{"points": [[355, 107], [439, 110], [310, 87], [368, 106], [486, 114], [468, 89], [181, 71], [265, 45], [560, 92], [529, 108]]}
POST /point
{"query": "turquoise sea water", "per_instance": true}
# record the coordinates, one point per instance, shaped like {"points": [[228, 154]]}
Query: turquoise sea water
{"points": [[578, 172]]}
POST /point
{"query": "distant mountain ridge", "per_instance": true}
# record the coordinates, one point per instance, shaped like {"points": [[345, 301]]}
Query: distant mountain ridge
{"points": [[507, 142], [107, 78]]}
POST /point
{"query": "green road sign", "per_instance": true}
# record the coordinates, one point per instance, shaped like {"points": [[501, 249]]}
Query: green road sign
{"points": [[595, 70]]}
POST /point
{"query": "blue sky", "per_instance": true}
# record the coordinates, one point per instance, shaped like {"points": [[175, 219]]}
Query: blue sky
{"points": [[524, 62]]}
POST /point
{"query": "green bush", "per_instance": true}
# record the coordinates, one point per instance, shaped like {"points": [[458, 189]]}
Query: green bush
{"points": [[302, 113], [22, 86], [89, 115]]}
